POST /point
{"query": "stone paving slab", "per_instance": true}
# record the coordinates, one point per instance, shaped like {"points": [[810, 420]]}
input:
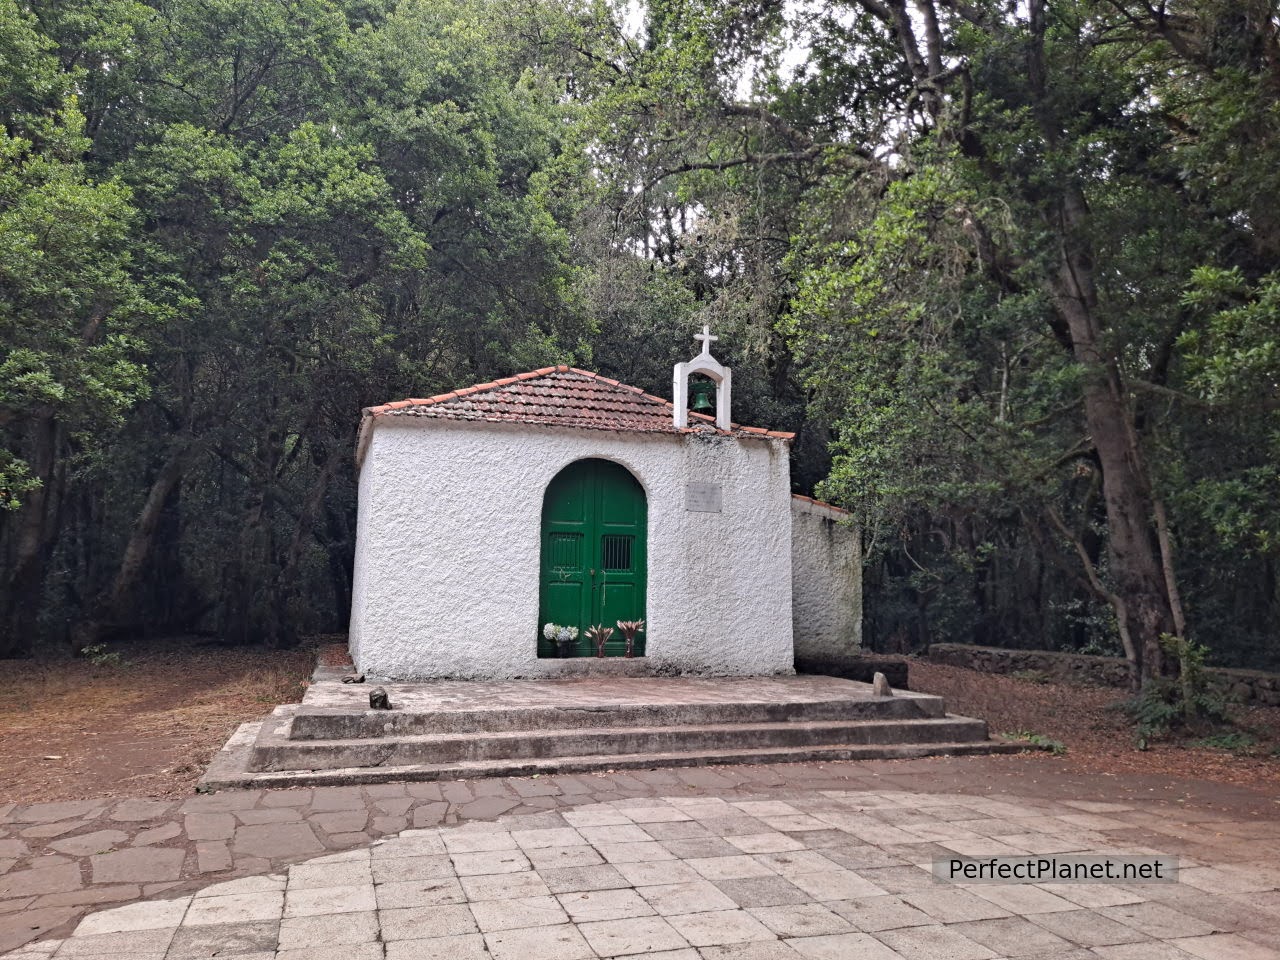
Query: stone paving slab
{"points": [[476, 891], [59, 861]]}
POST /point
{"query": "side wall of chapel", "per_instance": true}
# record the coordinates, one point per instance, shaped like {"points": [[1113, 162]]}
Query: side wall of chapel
{"points": [[826, 582]]}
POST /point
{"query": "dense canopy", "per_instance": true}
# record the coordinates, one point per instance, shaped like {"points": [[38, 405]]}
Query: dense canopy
{"points": [[1009, 269]]}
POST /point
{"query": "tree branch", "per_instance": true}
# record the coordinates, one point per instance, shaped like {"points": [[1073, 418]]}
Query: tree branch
{"points": [[1097, 586], [932, 35]]}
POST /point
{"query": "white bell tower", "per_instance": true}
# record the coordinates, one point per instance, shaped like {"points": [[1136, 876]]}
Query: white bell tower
{"points": [[707, 365]]}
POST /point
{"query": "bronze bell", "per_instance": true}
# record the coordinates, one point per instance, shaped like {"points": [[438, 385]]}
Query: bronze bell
{"points": [[700, 399]]}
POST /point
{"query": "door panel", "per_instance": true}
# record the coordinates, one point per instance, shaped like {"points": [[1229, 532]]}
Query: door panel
{"points": [[593, 553], [566, 545]]}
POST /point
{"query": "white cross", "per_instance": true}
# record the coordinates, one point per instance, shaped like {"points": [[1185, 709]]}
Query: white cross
{"points": [[706, 338]]}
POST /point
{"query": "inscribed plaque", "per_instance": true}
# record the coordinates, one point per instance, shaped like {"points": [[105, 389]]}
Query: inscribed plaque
{"points": [[702, 497]]}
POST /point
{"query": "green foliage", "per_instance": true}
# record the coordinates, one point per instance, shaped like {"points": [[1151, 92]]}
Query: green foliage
{"points": [[101, 656], [1154, 712], [1233, 359], [227, 226], [1056, 747], [73, 313], [1096, 649], [928, 318], [1184, 703], [910, 355], [258, 219], [1236, 741]]}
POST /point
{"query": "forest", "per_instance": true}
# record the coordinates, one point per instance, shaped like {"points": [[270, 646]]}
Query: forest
{"points": [[1008, 267]]}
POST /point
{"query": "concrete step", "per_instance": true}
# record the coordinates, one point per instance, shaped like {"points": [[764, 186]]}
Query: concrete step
{"points": [[462, 729], [275, 750], [319, 723], [229, 768]]}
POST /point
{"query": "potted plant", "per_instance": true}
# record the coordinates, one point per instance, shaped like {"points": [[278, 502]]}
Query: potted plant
{"points": [[599, 636], [563, 637], [629, 630]]}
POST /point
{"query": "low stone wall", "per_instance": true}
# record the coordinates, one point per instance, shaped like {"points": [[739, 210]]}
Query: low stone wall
{"points": [[1247, 686], [1069, 667]]}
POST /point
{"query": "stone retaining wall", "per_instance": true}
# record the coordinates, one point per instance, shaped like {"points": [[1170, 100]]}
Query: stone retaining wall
{"points": [[1247, 686], [857, 666]]}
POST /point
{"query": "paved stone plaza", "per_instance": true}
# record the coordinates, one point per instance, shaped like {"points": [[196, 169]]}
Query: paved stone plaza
{"points": [[741, 863]]}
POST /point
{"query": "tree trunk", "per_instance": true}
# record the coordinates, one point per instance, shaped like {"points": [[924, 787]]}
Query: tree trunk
{"points": [[286, 596], [341, 550], [248, 615], [109, 609], [32, 541], [1136, 566]]}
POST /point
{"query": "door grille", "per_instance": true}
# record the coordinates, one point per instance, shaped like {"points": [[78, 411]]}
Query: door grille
{"points": [[617, 552], [564, 551]]}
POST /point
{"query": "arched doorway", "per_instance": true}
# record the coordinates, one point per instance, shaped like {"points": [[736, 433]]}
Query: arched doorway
{"points": [[593, 569]]}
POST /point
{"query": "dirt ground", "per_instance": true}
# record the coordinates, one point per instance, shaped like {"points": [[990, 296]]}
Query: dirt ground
{"points": [[148, 725], [1098, 739], [143, 727]]}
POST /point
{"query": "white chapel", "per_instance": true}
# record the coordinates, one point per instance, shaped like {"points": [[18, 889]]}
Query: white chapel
{"points": [[559, 498]]}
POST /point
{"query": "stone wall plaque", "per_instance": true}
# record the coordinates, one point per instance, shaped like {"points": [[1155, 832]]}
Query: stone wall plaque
{"points": [[703, 497]]}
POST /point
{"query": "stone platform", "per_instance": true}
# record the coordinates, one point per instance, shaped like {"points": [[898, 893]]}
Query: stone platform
{"points": [[447, 730]]}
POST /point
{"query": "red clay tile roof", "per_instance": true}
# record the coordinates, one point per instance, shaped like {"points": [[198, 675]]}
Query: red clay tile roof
{"points": [[562, 397], [809, 501]]}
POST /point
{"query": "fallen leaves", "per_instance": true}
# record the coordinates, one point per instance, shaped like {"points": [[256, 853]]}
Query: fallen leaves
{"points": [[70, 729], [1098, 738]]}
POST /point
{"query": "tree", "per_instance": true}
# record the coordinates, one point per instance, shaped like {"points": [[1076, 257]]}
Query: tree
{"points": [[339, 203], [72, 313], [1025, 138], [993, 214]]}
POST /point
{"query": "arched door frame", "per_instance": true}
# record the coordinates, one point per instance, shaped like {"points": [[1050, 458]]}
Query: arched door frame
{"points": [[593, 552]]}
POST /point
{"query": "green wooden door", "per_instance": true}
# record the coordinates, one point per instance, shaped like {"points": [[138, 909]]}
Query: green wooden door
{"points": [[593, 553]]}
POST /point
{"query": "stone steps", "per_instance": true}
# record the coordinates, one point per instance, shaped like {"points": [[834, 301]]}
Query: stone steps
{"points": [[229, 771], [313, 723], [274, 752], [456, 730]]}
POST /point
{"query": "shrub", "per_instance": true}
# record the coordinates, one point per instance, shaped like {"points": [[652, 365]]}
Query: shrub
{"points": [[1184, 703], [100, 656], [1056, 747]]}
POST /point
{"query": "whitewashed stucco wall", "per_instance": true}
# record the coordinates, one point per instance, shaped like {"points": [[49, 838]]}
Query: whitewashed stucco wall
{"points": [[448, 540], [826, 581], [360, 568]]}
